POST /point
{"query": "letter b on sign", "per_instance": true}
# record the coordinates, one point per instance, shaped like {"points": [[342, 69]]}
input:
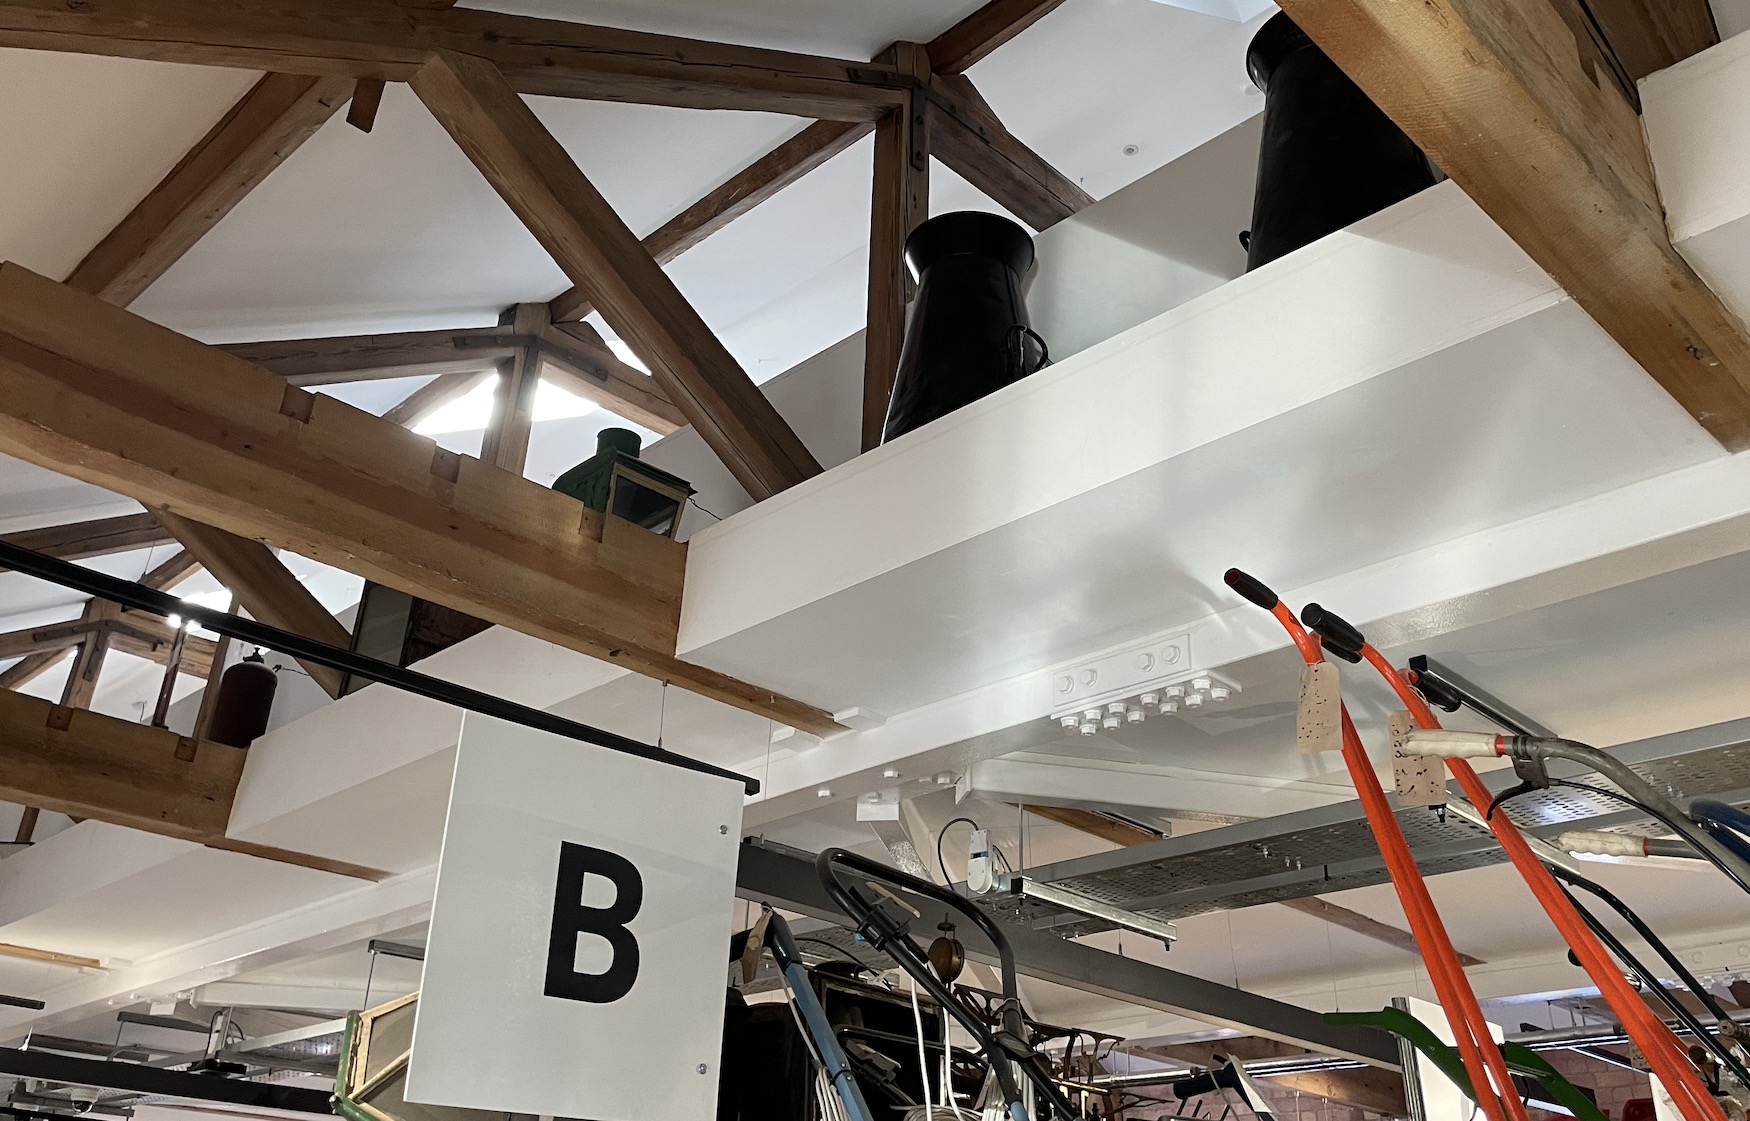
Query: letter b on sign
{"points": [[571, 918]]}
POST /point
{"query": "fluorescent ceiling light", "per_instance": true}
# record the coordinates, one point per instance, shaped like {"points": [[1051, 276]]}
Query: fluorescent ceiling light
{"points": [[473, 410]]}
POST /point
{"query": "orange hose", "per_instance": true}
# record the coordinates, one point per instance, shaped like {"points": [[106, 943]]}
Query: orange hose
{"points": [[1463, 1014], [1661, 1047]]}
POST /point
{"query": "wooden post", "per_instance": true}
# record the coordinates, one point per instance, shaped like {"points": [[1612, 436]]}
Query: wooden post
{"points": [[81, 684], [506, 443], [899, 201]]}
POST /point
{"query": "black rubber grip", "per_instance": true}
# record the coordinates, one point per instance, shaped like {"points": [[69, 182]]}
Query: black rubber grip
{"points": [[1341, 651], [1437, 692], [1333, 629], [1251, 588]]}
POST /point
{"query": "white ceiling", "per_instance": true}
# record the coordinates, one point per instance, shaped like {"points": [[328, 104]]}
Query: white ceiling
{"points": [[394, 229]]}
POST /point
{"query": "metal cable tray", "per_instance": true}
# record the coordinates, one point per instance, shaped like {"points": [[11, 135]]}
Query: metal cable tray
{"points": [[1314, 852]]}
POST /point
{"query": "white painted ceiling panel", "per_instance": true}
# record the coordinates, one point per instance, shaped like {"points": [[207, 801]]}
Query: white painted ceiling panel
{"points": [[83, 139]]}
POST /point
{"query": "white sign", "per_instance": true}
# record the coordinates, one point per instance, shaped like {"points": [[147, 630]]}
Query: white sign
{"points": [[580, 934]]}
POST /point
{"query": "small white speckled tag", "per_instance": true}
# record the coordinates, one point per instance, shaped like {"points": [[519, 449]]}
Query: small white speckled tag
{"points": [[1420, 779], [1318, 718]]}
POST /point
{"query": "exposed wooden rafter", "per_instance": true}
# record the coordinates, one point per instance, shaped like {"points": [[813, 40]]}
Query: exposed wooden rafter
{"points": [[260, 131], [432, 396], [574, 356], [269, 123], [348, 358], [179, 567], [88, 659], [1499, 94], [264, 587], [957, 49], [149, 637], [110, 398], [354, 39], [89, 766], [967, 135], [743, 191], [130, 632], [581, 363], [569, 217], [1649, 35], [98, 537], [367, 98], [1357, 923]]}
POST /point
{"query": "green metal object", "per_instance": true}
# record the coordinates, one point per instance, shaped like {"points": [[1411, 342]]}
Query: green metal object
{"points": [[1521, 1060], [615, 481]]}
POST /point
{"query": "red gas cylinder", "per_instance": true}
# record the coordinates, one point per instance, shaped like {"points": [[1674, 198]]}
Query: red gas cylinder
{"points": [[244, 703]]}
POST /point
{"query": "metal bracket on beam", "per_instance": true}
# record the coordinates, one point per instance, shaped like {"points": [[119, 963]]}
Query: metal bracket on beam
{"points": [[1436, 681], [395, 949]]}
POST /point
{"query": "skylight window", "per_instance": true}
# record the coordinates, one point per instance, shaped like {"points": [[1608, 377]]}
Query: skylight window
{"points": [[473, 410]]}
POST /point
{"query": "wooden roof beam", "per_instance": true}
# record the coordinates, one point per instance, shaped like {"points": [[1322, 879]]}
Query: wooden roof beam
{"points": [[375, 39], [96, 767], [1502, 95], [265, 127], [268, 124], [743, 191], [967, 135], [1649, 35], [957, 49], [574, 357], [110, 398], [97, 537], [578, 361], [149, 637], [432, 396], [179, 567], [952, 52], [569, 217], [265, 588], [400, 354]]}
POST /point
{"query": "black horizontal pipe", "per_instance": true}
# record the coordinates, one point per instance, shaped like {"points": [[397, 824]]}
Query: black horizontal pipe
{"points": [[129, 594], [111, 1074]]}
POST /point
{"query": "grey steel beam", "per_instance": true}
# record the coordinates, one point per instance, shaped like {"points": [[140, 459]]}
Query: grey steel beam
{"points": [[133, 1077], [786, 878]]}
